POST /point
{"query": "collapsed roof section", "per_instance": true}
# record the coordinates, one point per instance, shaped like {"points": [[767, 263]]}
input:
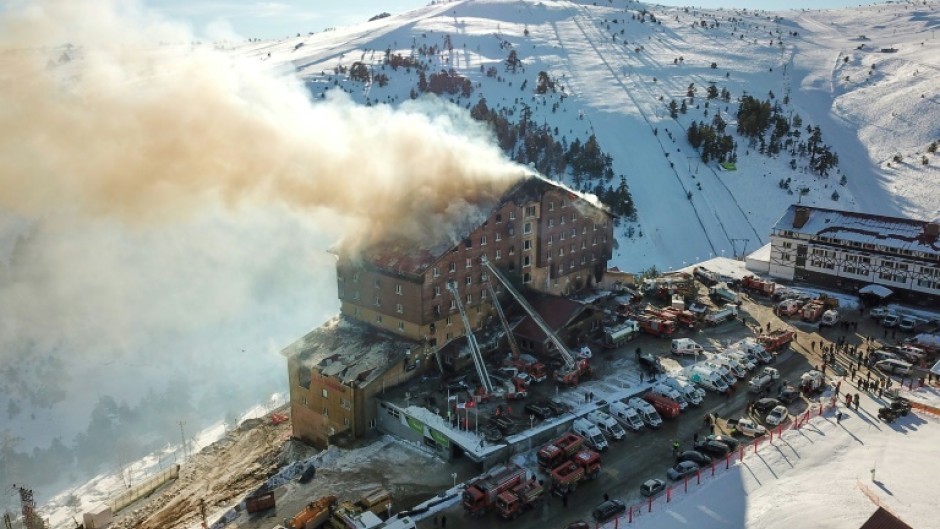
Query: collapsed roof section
{"points": [[350, 351]]}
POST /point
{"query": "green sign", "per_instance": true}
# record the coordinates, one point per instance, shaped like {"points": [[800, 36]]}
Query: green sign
{"points": [[440, 438], [415, 424]]}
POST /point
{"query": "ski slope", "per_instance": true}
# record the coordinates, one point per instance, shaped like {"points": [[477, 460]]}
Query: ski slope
{"points": [[615, 81]]}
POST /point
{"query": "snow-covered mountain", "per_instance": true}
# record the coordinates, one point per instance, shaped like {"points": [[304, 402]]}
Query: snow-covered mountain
{"points": [[865, 76]]}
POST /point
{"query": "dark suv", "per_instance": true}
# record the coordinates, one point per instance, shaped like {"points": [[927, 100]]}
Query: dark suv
{"points": [[608, 510], [539, 409]]}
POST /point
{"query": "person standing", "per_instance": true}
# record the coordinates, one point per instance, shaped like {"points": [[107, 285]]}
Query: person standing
{"points": [[839, 417], [675, 447], [856, 401], [443, 520]]}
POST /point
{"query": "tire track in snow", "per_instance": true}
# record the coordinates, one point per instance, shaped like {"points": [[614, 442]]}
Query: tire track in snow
{"points": [[722, 184], [649, 123]]}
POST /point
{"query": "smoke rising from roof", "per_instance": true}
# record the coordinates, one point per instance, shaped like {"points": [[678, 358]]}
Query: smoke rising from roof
{"points": [[166, 205], [122, 123]]}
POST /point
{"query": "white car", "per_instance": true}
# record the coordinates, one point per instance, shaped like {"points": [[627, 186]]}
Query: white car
{"points": [[749, 427], [777, 416]]}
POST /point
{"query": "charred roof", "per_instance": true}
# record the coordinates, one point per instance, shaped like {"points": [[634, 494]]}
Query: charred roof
{"points": [[352, 352]]}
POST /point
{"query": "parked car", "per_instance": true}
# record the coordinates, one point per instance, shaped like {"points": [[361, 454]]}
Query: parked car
{"points": [[558, 407], [698, 458], [878, 313], [907, 324], [891, 320], [578, 525], [788, 394], [894, 367], [766, 404], [308, 474], [652, 487], [681, 470], [539, 409], [747, 426], [777, 416], [713, 448], [608, 510], [730, 441]]}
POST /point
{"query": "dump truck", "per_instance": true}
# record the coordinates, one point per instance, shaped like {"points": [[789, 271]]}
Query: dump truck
{"points": [[776, 340], [726, 313], [513, 502], [585, 465], [559, 450], [683, 317], [480, 495], [722, 293], [755, 284], [315, 514]]}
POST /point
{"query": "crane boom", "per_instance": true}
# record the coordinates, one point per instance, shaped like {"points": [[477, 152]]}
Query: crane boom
{"points": [[513, 346], [536, 317], [475, 353]]}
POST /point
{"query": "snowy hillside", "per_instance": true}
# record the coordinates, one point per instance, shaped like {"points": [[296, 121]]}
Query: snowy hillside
{"points": [[620, 69]]}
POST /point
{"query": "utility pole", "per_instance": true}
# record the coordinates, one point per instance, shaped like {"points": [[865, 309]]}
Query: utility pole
{"points": [[183, 439]]}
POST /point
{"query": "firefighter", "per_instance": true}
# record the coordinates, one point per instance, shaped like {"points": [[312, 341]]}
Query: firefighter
{"points": [[675, 447]]}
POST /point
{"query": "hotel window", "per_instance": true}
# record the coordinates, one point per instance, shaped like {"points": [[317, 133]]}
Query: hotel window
{"points": [[469, 263], [483, 240], [526, 260], [399, 308], [325, 393], [499, 254], [452, 267], [527, 245], [401, 326], [499, 236], [378, 301], [450, 321], [468, 281], [550, 239], [512, 215], [551, 222], [551, 206], [437, 292], [499, 218], [526, 277], [436, 272], [527, 228], [512, 250], [378, 318], [469, 299], [398, 288], [530, 211]]}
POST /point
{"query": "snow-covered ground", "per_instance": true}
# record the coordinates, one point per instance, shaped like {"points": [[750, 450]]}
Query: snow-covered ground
{"points": [[118, 310]]}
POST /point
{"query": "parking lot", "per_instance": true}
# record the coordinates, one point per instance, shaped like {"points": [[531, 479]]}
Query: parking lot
{"points": [[649, 453]]}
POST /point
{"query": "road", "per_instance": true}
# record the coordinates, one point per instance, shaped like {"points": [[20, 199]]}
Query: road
{"points": [[648, 454]]}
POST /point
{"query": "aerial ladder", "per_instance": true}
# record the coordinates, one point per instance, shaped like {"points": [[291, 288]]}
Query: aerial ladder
{"points": [[471, 340], [573, 370], [513, 346]]}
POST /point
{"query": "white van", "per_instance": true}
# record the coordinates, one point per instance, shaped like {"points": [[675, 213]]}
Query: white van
{"points": [[591, 434], [705, 377], [667, 391], [691, 394], [626, 415], [686, 346], [646, 411], [746, 360], [894, 367], [750, 345], [722, 371], [737, 368], [607, 424], [829, 318]]}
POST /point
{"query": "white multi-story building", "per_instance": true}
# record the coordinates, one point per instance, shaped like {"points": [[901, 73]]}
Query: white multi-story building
{"points": [[851, 250]]}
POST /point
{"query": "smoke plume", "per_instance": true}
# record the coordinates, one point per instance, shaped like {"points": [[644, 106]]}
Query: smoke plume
{"points": [[165, 208], [107, 110]]}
